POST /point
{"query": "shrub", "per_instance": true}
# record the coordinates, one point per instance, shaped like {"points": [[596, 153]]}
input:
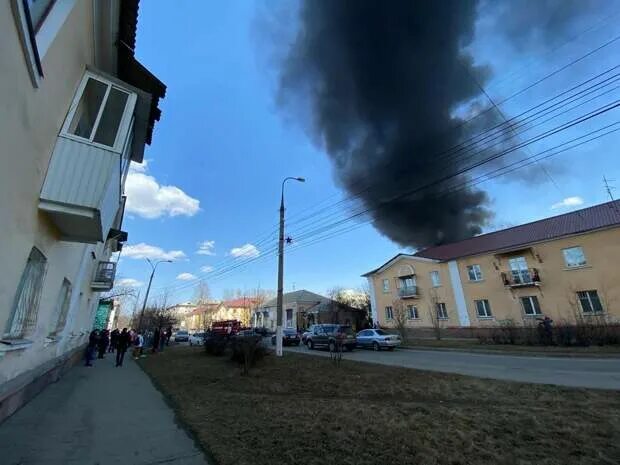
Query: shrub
{"points": [[246, 351], [216, 344]]}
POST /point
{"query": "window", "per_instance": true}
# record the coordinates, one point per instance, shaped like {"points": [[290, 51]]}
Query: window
{"points": [[435, 278], [100, 113], [530, 305], [442, 313], [386, 285], [38, 22], [412, 312], [590, 303], [574, 257], [62, 307], [289, 317], [483, 308], [389, 313], [26, 303], [519, 270], [474, 272]]}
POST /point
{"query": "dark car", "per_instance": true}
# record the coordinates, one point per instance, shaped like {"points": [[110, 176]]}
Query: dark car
{"points": [[262, 331], [181, 336], [330, 336], [305, 334], [290, 337]]}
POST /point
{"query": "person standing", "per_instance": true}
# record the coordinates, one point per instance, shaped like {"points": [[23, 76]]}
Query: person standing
{"points": [[93, 340], [104, 341], [162, 339], [138, 345], [156, 337], [113, 340], [123, 342], [168, 335]]}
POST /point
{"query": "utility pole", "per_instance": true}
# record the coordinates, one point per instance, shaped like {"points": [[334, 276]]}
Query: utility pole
{"points": [[279, 319], [148, 288]]}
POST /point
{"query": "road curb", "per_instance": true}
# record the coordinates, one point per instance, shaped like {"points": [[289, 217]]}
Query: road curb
{"points": [[513, 352]]}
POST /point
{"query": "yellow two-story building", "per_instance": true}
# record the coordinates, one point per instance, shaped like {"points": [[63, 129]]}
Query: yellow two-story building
{"points": [[564, 267]]}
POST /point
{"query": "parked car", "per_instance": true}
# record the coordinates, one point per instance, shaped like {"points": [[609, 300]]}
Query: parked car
{"points": [[197, 339], [377, 339], [305, 334], [181, 336], [262, 331], [290, 337], [329, 335]]}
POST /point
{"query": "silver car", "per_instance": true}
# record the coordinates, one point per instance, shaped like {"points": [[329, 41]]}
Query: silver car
{"points": [[377, 339]]}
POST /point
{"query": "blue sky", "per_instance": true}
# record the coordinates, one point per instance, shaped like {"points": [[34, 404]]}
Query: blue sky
{"points": [[222, 148]]}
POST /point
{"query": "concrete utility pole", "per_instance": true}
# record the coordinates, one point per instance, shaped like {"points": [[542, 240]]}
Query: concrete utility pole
{"points": [[146, 297], [279, 317]]}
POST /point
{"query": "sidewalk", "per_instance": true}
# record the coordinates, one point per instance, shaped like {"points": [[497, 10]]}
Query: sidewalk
{"points": [[98, 416]]}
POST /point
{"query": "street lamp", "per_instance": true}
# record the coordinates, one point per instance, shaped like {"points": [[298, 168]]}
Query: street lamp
{"points": [[146, 297], [279, 316]]}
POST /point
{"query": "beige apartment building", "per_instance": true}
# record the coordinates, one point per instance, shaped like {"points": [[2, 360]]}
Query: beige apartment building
{"points": [[75, 108], [564, 267]]}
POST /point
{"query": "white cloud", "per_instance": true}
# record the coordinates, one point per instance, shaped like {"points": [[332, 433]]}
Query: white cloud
{"points": [[148, 199], [246, 250], [206, 248], [568, 202], [206, 269], [142, 250], [186, 277], [129, 282]]}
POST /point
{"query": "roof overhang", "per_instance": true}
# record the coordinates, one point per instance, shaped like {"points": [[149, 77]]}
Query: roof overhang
{"points": [[395, 259]]}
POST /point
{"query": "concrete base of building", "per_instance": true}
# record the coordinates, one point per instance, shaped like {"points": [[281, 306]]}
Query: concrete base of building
{"points": [[17, 392]]}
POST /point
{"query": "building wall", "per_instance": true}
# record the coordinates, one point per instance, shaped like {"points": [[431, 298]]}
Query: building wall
{"points": [[557, 291], [428, 294], [30, 119]]}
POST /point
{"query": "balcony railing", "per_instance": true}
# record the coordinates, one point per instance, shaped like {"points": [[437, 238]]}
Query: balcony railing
{"points": [[104, 276], [521, 278], [408, 292]]}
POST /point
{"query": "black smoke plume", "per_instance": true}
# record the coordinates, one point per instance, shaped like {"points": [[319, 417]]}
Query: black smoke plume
{"points": [[382, 81]]}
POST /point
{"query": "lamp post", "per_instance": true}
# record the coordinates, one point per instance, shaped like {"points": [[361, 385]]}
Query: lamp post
{"points": [[279, 316], [146, 297]]}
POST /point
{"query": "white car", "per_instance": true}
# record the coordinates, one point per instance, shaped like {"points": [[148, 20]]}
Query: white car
{"points": [[197, 339], [377, 339]]}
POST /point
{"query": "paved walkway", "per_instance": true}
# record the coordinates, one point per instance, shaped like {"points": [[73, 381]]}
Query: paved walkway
{"points": [[97, 416], [600, 373]]}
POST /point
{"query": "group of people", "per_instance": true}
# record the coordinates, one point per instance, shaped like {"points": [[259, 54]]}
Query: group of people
{"points": [[102, 341]]}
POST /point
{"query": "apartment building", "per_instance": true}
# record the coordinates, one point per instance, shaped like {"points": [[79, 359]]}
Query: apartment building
{"points": [[76, 108], [563, 267]]}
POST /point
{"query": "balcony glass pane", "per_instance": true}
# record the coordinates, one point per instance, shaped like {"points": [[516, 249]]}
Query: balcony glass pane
{"points": [[88, 108], [111, 117]]}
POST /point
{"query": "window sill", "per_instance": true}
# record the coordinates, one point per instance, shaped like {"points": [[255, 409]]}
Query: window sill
{"points": [[49, 340], [475, 281], [582, 267], [538, 315], [486, 317], [443, 319], [13, 345]]}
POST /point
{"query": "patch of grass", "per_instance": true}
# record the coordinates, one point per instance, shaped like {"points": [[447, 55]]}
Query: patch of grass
{"points": [[304, 409]]}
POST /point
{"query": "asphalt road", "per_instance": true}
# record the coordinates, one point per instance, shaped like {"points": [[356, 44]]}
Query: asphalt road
{"points": [[565, 371]]}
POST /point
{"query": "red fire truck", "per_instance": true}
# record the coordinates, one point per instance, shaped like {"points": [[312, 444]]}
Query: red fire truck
{"points": [[226, 327]]}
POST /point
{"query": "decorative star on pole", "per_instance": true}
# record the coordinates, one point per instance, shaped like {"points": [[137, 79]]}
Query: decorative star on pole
{"points": [[289, 240]]}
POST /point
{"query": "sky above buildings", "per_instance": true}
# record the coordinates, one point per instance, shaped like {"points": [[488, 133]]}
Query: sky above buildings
{"points": [[207, 196]]}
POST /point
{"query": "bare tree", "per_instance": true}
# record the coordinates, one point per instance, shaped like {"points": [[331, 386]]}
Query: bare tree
{"points": [[400, 318], [433, 313], [202, 293]]}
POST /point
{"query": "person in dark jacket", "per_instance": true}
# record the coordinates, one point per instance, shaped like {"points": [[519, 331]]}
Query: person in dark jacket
{"points": [[104, 341], [156, 337], [113, 340], [91, 348], [123, 343]]}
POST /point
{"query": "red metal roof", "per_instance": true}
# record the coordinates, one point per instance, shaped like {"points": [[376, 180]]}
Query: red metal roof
{"points": [[240, 302], [600, 216]]}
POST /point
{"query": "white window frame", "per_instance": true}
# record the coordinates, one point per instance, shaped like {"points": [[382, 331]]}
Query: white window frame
{"points": [[486, 307], [477, 273], [386, 285], [567, 264], [591, 311], [37, 43], [62, 307], [125, 122], [23, 317], [442, 311], [412, 315], [389, 312], [435, 278], [531, 298]]}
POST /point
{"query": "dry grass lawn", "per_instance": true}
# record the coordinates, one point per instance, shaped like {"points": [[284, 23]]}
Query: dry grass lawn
{"points": [[304, 410]]}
